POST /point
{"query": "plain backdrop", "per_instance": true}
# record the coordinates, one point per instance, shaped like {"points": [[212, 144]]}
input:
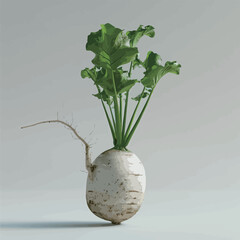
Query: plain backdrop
{"points": [[188, 139]]}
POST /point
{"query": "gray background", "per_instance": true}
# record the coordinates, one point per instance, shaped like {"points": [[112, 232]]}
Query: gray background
{"points": [[188, 139]]}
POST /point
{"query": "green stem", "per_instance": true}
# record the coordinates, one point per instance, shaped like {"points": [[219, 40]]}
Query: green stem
{"points": [[132, 118], [117, 115], [130, 70], [108, 119], [125, 114], [138, 120], [109, 122], [113, 120], [120, 102], [126, 103]]}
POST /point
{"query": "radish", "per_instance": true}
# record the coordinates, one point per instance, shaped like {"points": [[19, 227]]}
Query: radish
{"points": [[117, 187], [116, 179]]}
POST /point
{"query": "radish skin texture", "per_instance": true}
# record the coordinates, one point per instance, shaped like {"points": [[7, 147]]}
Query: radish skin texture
{"points": [[115, 191]]}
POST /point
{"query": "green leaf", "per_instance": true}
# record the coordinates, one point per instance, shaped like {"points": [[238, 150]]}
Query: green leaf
{"points": [[134, 36], [137, 62], [172, 67], [138, 97], [102, 95], [89, 73], [103, 78], [156, 72], [122, 83], [125, 85], [151, 60], [109, 45]]}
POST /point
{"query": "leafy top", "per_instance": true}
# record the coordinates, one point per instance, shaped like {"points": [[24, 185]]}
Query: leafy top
{"points": [[113, 49]]}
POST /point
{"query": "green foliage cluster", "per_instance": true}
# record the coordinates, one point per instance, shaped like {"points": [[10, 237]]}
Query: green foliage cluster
{"points": [[113, 48]]}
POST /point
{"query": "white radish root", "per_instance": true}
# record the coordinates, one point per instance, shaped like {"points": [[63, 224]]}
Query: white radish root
{"points": [[87, 146], [116, 190]]}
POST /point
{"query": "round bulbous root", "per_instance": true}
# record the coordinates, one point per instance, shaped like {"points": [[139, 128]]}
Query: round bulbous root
{"points": [[115, 189]]}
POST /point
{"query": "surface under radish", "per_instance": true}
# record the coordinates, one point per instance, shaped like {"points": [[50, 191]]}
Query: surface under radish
{"points": [[115, 190]]}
